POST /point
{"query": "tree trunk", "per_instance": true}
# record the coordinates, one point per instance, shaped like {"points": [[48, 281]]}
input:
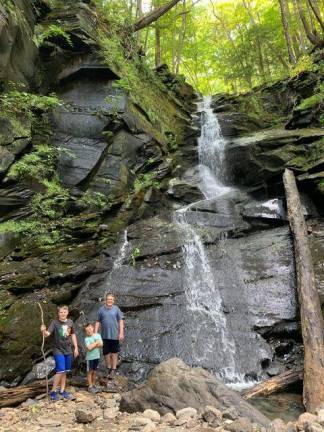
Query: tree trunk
{"points": [[316, 11], [257, 41], [181, 38], [275, 384], [153, 16], [313, 38], [310, 308], [16, 395], [283, 13], [157, 45]]}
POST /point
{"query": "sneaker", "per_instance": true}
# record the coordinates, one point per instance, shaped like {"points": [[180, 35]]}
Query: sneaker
{"points": [[98, 388], [112, 374], [66, 395], [92, 389], [54, 396]]}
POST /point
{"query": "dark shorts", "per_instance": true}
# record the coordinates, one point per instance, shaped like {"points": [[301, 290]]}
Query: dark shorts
{"points": [[110, 346], [63, 363], [92, 365]]}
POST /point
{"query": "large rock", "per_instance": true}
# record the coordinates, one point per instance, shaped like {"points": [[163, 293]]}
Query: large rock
{"points": [[173, 385], [17, 47], [262, 156]]}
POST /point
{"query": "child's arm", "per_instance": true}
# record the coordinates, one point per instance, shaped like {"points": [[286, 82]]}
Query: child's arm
{"points": [[75, 344], [92, 346], [45, 332], [99, 341]]}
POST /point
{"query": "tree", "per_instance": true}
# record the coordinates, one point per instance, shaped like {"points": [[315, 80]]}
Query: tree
{"points": [[153, 16], [283, 13]]}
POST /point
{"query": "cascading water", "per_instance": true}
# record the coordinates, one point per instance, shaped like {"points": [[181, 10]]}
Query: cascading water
{"points": [[211, 147], [201, 289]]}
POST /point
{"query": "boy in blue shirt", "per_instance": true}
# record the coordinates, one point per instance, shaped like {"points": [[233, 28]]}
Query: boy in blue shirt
{"points": [[93, 342]]}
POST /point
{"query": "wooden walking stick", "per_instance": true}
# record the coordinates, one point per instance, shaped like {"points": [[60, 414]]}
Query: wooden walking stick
{"points": [[42, 347]]}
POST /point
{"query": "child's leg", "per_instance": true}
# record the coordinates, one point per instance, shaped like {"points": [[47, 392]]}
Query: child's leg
{"points": [[93, 377], [63, 382], [60, 369], [89, 378], [56, 381]]}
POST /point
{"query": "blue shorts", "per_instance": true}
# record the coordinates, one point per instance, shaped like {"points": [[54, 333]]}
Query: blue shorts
{"points": [[63, 362]]}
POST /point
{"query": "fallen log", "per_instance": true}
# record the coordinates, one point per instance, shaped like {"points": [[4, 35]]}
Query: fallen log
{"points": [[310, 309], [16, 395], [275, 384]]}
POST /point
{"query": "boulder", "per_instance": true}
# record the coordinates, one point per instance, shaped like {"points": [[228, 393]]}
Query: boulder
{"points": [[152, 415], [305, 420], [212, 416], [277, 425], [86, 413], [174, 385], [168, 418], [186, 413], [240, 425]]}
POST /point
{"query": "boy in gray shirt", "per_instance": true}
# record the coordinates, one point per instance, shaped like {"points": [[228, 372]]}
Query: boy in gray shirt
{"points": [[64, 337]]}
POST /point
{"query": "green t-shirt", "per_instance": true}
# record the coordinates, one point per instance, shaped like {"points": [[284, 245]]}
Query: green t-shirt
{"points": [[95, 353]]}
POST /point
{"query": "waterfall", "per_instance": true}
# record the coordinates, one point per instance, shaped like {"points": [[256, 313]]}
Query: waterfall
{"points": [[211, 148], [122, 252], [201, 288]]}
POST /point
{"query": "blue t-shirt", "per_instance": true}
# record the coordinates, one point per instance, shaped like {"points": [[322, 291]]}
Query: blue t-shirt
{"points": [[95, 353], [109, 321]]}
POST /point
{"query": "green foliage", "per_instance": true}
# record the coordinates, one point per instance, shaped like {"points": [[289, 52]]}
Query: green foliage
{"points": [[135, 253], [20, 102], [314, 100], [304, 63], [144, 181], [40, 164], [52, 31], [52, 203], [94, 199]]}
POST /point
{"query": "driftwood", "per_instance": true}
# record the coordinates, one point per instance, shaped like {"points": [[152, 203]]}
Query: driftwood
{"points": [[275, 384], [16, 395], [310, 309]]}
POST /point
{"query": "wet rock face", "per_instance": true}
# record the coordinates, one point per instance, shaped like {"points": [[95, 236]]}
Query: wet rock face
{"points": [[253, 274]]}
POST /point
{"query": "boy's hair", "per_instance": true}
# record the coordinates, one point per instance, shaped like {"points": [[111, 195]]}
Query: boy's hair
{"points": [[88, 324], [110, 294], [62, 307]]}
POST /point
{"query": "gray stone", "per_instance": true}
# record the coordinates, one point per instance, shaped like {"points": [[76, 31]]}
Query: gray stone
{"points": [[240, 425], [212, 416], [168, 418], [186, 413], [320, 417], [306, 419], [172, 383], [86, 413], [152, 415], [277, 425], [110, 413]]}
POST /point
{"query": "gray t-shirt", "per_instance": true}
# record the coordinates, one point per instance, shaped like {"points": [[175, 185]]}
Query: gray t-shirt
{"points": [[61, 332], [109, 321]]}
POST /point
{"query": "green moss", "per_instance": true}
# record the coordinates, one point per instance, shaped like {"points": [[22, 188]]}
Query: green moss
{"points": [[38, 165], [43, 35], [151, 100]]}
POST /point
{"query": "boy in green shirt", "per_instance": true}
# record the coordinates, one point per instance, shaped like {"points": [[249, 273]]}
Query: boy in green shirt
{"points": [[93, 342]]}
